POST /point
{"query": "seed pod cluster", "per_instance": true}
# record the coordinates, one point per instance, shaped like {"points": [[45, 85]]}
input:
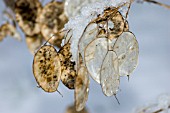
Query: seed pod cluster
{"points": [[108, 50], [37, 22]]}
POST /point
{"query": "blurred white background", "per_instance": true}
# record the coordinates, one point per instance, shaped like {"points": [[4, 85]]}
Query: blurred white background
{"points": [[150, 24]]}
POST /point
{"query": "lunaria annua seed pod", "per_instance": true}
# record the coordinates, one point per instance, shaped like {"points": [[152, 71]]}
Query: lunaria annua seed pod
{"points": [[47, 68], [52, 20], [26, 12], [68, 73]]}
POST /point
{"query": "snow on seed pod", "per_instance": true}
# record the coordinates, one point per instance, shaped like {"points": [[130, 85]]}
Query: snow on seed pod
{"points": [[73, 7], [8, 29], [81, 88], [34, 42], [47, 68], [127, 50], [52, 20], [109, 74], [68, 73], [26, 12]]}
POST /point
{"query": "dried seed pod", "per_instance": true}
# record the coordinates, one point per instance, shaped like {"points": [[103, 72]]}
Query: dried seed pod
{"points": [[109, 74], [52, 20], [68, 73], [68, 36], [9, 30], [116, 25], [127, 50], [89, 35], [34, 42], [94, 56], [47, 68], [81, 88], [26, 12], [126, 27]]}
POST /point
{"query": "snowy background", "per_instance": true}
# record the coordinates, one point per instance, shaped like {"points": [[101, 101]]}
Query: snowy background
{"points": [[150, 24]]}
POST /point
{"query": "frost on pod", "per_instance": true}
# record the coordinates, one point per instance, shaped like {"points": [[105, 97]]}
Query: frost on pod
{"points": [[26, 12], [162, 105], [52, 20], [73, 7]]}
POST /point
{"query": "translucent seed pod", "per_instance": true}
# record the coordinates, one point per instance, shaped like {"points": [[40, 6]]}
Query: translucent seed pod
{"points": [[109, 74], [94, 56], [127, 50], [81, 88]]}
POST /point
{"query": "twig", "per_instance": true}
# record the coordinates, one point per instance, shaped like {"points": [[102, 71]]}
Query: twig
{"points": [[158, 3]]}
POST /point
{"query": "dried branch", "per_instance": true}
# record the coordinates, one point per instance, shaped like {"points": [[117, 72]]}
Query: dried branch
{"points": [[10, 4], [158, 3]]}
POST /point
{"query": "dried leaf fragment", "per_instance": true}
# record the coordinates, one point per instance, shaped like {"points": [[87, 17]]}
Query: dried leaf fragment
{"points": [[47, 68], [81, 88], [109, 74], [9, 30]]}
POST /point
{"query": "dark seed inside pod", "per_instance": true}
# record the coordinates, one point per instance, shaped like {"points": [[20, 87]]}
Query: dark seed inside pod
{"points": [[47, 68], [68, 73]]}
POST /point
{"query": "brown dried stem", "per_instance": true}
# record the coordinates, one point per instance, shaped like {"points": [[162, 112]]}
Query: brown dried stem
{"points": [[158, 3]]}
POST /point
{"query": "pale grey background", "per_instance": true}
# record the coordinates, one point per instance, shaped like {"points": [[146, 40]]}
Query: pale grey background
{"points": [[150, 24]]}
